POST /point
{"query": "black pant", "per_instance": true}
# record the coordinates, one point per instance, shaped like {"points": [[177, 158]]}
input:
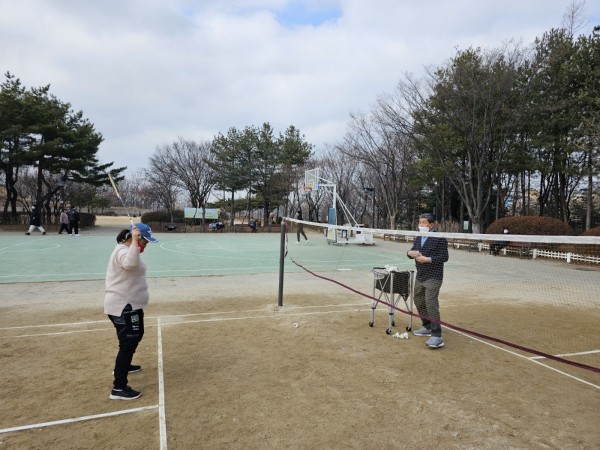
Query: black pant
{"points": [[63, 226], [495, 248], [300, 231], [127, 346], [73, 225]]}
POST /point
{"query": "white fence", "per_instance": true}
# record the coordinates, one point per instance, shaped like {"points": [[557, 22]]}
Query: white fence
{"points": [[522, 251]]}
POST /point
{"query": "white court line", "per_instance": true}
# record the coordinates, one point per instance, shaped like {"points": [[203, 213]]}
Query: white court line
{"points": [[161, 392], [526, 358], [249, 311], [591, 352], [71, 324], [76, 419], [68, 324], [84, 276], [22, 243], [226, 319], [54, 334], [61, 276]]}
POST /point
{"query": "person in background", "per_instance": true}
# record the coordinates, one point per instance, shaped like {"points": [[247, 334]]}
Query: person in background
{"points": [[497, 246], [252, 225], [430, 254], [124, 302], [64, 221], [73, 222], [35, 221], [216, 226], [300, 230]]}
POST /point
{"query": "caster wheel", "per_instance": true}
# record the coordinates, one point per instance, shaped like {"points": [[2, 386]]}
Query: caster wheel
{"points": [[388, 331], [371, 324], [408, 328]]}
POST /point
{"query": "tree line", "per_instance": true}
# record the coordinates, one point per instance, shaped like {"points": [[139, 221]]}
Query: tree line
{"points": [[488, 133], [46, 149], [506, 131]]}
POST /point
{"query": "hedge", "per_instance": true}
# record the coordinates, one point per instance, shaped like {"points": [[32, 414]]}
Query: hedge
{"points": [[531, 225]]}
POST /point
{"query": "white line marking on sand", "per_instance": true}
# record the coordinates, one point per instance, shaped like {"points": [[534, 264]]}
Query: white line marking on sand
{"points": [[58, 333], [591, 352], [161, 392], [68, 324], [262, 317], [76, 419], [527, 358]]}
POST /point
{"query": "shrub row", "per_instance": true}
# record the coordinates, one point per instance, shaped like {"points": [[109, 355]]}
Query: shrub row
{"points": [[162, 216], [529, 225]]}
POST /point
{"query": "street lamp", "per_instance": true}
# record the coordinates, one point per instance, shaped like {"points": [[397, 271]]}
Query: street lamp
{"points": [[372, 190]]}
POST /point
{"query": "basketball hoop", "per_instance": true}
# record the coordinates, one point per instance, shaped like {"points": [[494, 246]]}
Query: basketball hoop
{"points": [[311, 180]]}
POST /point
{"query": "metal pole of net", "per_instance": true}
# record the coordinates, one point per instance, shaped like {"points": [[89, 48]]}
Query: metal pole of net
{"points": [[281, 263]]}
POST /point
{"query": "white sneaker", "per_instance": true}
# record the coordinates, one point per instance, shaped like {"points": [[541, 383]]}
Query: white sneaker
{"points": [[306, 241], [77, 235], [297, 242]]}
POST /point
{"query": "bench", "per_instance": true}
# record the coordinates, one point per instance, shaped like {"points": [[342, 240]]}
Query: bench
{"points": [[523, 249], [468, 244], [240, 228]]}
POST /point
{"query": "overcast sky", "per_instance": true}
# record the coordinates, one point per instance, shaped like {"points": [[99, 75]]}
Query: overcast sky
{"points": [[146, 72]]}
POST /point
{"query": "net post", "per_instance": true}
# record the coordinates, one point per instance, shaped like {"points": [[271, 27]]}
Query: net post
{"points": [[281, 263]]}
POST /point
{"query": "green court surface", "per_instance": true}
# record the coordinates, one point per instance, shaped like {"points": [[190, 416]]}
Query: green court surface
{"points": [[53, 257]]}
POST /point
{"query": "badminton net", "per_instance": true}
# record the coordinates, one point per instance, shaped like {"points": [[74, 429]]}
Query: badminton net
{"points": [[539, 295]]}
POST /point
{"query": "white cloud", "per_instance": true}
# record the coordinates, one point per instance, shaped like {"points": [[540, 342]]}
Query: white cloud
{"points": [[146, 72]]}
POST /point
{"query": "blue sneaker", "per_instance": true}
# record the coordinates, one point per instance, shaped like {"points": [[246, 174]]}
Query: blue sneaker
{"points": [[435, 342], [422, 332]]}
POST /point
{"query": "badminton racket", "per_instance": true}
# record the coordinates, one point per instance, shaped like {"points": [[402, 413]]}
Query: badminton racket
{"points": [[112, 181]]}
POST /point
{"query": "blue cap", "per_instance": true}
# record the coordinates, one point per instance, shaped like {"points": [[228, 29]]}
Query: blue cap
{"points": [[145, 231]]}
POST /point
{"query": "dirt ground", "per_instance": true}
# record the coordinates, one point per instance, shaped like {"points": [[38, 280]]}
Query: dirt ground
{"points": [[240, 372]]}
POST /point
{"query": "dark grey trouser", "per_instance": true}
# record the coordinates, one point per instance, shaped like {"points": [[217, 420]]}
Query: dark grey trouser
{"points": [[426, 300]]}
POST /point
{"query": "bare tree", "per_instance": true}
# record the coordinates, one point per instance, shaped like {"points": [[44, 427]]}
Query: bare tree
{"points": [[134, 190], [574, 18], [162, 180], [381, 144], [190, 162], [339, 168]]}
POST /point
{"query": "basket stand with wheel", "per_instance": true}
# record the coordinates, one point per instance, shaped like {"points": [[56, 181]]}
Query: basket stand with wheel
{"points": [[392, 285]]}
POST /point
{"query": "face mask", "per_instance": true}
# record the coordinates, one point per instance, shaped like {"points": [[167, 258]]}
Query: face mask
{"points": [[141, 246], [424, 229]]}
